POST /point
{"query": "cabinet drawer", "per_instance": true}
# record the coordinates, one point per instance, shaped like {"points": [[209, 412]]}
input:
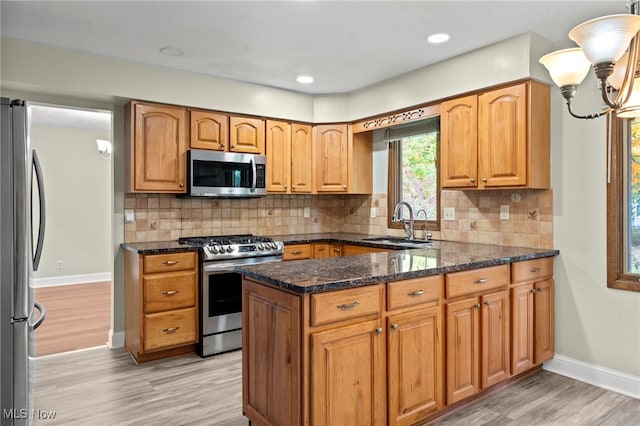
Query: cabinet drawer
{"points": [[532, 270], [297, 251], [345, 304], [476, 280], [164, 292], [169, 262], [401, 294], [168, 329]]}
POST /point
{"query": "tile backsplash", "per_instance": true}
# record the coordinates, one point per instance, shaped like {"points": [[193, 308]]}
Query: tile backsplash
{"points": [[477, 216]]}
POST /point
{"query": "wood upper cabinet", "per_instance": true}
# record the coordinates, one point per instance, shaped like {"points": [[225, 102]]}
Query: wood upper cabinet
{"points": [[416, 370], [505, 144], [157, 146], [209, 130], [343, 160], [246, 134], [289, 157], [459, 142], [348, 376]]}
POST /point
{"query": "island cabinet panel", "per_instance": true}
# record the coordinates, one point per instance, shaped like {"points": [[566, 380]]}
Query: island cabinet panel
{"points": [[544, 347], [463, 349], [272, 380], [522, 328], [347, 376], [415, 365], [495, 338]]}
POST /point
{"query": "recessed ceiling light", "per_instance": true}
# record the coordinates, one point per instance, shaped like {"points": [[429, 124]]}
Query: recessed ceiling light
{"points": [[438, 38], [304, 79], [171, 51]]}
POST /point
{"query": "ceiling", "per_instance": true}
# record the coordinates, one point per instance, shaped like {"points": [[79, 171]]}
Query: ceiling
{"points": [[345, 45]]}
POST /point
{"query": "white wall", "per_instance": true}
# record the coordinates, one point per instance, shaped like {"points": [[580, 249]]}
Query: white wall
{"points": [[78, 201], [593, 323]]}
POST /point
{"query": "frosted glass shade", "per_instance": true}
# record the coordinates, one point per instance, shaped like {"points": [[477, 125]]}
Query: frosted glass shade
{"points": [[566, 66], [631, 108], [617, 78], [605, 39]]}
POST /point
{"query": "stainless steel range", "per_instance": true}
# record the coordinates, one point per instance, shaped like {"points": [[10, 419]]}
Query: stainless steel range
{"points": [[221, 288]]}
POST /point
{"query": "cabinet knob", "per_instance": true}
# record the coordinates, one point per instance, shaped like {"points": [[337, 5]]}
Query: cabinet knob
{"points": [[487, 303], [379, 330], [533, 290], [472, 180], [292, 187], [477, 306], [233, 146], [394, 326], [344, 186], [285, 187], [181, 185], [539, 289], [222, 145], [484, 180]]}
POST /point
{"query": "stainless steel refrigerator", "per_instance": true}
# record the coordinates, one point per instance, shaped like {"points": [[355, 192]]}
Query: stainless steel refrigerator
{"points": [[22, 224]]}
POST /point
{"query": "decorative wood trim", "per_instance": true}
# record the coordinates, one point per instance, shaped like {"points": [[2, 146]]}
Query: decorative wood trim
{"points": [[397, 118], [616, 278]]}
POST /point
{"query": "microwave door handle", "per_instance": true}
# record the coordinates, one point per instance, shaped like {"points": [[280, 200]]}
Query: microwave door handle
{"points": [[255, 178]]}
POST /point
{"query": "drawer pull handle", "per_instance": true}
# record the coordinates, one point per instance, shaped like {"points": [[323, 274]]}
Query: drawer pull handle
{"points": [[170, 262], [170, 330], [480, 281], [534, 269], [345, 306], [170, 292], [295, 253], [416, 293]]}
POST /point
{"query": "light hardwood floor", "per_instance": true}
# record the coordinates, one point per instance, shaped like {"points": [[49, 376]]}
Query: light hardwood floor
{"points": [[78, 317], [105, 387]]}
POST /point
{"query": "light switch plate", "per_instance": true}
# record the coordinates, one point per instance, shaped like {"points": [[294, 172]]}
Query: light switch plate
{"points": [[449, 213]]}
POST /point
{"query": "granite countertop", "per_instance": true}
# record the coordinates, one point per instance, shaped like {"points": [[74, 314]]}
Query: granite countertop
{"points": [[318, 275]]}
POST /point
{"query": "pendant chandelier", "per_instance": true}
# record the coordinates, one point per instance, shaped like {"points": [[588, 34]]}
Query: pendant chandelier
{"points": [[611, 45]]}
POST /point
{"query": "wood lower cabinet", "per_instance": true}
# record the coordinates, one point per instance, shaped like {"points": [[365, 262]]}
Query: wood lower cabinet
{"points": [[156, 148], [297, 252], [347, 366], [161, 304], [478, 331], [351, 249], [532, 313]]}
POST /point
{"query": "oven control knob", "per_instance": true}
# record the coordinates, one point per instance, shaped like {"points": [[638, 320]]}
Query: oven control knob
{"points": [[268, 246], [229, 249], [273, 246], [213, 249], [260, 246]]}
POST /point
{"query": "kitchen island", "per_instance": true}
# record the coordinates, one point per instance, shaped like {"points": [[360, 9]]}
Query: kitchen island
{"points": [[397, 337]]}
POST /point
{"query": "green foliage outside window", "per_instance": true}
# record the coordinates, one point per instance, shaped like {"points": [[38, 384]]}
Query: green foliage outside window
{"points": [[419, 177]]}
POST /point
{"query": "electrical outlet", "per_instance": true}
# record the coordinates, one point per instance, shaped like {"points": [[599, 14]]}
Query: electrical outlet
{"points": [[504, 212], [129, 216], [58, 264], [449, 213], [306, 212], [374, 212]]}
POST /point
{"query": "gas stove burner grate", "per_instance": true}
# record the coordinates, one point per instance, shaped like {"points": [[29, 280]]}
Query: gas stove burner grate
{"points": [[224, 240]]}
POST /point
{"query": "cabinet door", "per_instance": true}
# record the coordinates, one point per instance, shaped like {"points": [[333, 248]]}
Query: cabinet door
{"points": [[209, 130], [158, 152], [321, 250], [502, 137], [544, 319], [521, 328], [463, 349], [416, 373], [278, 156], [331, 158], [270, 355], [347, 376], [459, 143], [336, 250], [495, 338], [301, 158], [246, 135]]}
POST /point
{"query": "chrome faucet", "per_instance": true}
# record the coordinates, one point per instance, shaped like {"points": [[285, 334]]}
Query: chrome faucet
{"points": [[427, 234], [408, 227]]}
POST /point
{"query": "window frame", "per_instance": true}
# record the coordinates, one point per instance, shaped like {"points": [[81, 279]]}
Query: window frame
{"points": [[617, 277], [393, 187]]}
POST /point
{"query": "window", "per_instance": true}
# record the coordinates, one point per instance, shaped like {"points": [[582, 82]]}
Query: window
{"points": [[413, 171], [623, 206]]}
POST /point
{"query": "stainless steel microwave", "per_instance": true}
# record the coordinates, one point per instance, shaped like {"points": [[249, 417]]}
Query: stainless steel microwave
{"points": [[225, 174]]}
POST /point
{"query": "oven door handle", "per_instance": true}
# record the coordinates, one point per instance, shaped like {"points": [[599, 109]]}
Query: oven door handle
{"points": [[228, 266]]}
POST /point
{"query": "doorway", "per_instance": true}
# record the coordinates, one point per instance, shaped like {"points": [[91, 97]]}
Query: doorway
{"points": [[74, 280]]}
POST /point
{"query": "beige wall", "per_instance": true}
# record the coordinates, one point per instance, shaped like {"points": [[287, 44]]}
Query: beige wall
{"points": [[593, 324], [78, 201]]}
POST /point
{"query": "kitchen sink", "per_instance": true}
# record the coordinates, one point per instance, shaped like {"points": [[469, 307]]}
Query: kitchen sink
{"points": [[399, 241]]}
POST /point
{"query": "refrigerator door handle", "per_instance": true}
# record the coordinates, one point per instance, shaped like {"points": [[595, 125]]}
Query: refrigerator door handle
{"points": [[42, 216], [43, 315]]}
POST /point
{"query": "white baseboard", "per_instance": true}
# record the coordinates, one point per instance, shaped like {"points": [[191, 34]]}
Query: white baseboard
{"points": [[70, 279], [116, 340], [596, 375]]}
